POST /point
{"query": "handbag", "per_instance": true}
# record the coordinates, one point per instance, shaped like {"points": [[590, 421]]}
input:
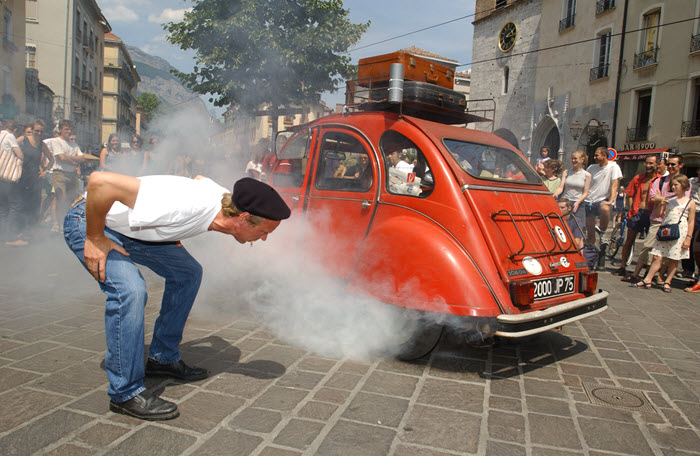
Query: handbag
{"points": [[672, 231], [10, 165]]}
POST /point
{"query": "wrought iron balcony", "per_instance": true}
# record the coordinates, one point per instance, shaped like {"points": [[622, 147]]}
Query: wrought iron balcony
{"points": [[599, 72], [566, 23], [695, 43], [646, 58], [690, 128], [602, 6], [638, 134]]}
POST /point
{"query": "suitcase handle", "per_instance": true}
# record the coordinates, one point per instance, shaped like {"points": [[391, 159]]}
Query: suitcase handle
{"points": [[432, 80]]}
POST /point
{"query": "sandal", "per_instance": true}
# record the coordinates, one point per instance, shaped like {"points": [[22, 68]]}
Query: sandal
{"points": [[631, 279], [667, 287], [641, 284], [659, 281]]}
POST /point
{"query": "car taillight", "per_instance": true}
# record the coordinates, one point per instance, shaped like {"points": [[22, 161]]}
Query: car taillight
{"points": [[588, 282], [522, 293]]}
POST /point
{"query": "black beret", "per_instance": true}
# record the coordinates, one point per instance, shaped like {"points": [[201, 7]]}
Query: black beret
{"points": [[258, 198]]}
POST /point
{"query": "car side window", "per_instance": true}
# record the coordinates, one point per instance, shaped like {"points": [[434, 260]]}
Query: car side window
{"points": [[290, 169], [407, 170], [344, 164]]}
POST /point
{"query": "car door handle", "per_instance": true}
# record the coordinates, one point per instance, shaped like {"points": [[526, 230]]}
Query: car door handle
{"points": [[366, 204], [295, 198]]}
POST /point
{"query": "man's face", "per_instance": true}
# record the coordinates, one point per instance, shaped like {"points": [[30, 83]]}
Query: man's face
{"points": [[365, 160], [650, 165], [661, 167], [393, 157], [674, 166], [246, 232], [599, 157], [65, 132], [564, 208]]}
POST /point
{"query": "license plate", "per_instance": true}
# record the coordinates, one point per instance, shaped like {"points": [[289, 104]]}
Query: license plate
{"points": [[553, 286]]}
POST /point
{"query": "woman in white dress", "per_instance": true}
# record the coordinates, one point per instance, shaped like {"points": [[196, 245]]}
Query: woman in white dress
{"points": [[679, 209]]}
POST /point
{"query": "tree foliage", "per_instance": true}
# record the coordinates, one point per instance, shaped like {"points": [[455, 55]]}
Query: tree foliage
{"points": [[274, 52], [149, 102]]}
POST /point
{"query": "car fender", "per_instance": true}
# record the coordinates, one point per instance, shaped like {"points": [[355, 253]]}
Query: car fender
{"points": [[413, 262]]}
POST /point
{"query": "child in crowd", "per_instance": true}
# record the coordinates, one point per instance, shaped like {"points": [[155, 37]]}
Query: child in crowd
{"points": [[565, 208]]}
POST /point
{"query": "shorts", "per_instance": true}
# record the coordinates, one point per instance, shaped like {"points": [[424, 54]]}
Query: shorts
{"points": [[592, 209], [639, 222]]}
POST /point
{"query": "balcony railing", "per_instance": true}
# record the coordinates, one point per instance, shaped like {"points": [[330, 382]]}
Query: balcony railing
{"points": [[646, 58], [638, 134], [599, 72], [695, 43], [86, 86], [690, 128], [566, 23], [602, 6]]}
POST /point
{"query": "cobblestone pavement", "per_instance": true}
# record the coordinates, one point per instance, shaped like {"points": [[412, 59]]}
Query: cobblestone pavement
{"points": [[267, 398]]}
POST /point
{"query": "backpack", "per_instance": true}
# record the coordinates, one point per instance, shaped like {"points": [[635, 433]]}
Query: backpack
{"points": [[591, 254]]}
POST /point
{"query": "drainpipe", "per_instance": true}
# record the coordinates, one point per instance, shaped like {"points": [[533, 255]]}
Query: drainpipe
{"points": [[65, 59], [619, 74]]}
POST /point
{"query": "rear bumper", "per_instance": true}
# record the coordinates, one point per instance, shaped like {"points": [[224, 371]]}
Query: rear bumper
{"points": [[538, 321]]}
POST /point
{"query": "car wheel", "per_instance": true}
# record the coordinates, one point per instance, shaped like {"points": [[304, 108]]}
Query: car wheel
{"points": [[421, 341]]}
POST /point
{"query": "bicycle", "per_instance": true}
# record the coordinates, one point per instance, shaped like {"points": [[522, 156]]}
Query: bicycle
{"points": [[617, 240]]}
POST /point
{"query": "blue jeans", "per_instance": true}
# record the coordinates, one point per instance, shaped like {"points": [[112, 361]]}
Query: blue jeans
{"points": [[126, 294]]}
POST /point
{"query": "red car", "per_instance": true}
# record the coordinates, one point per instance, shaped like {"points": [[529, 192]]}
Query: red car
{"points": [[450, 225]]}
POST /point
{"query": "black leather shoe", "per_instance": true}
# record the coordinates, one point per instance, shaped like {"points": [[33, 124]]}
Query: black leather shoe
{"points": [[152, 408], [178, 370]]}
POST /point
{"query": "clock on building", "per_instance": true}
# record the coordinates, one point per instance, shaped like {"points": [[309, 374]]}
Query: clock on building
{"points": [[506, 38]]}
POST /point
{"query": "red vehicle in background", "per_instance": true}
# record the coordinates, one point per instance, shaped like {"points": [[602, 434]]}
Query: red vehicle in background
{"points": [[452, 226]]}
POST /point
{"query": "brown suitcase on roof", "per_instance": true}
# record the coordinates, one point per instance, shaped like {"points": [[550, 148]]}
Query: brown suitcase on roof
{"points": [[415, 68]]}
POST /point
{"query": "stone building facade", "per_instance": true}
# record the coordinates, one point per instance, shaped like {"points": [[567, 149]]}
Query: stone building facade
{"points": [[66, 42]]}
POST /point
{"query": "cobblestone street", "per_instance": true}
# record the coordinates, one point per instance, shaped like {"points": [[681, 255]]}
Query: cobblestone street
{"points": [[546, 397]]}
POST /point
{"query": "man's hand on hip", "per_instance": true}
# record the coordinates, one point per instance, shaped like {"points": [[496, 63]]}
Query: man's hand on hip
{"points": [[95, 254]]}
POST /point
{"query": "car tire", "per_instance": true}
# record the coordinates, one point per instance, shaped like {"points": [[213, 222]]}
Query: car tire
{"points": [[422, 341]]}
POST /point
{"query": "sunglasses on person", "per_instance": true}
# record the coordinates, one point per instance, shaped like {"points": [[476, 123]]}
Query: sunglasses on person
{"points": [[672, 164]]}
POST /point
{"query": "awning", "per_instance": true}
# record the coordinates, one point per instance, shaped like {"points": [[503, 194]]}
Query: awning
{"points": [[639, 154]]}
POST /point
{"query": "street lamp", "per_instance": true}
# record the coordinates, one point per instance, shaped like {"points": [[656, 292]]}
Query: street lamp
{"points": [[59, 112]]}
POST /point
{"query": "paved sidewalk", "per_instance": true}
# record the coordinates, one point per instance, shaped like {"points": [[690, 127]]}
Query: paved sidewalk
{"points": [[267, 398]]}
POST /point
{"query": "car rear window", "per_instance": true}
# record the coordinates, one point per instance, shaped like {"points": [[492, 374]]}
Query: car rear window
{"points": [[493, 163]]}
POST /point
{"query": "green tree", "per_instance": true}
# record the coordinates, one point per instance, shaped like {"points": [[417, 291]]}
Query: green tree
{"points": [[149, 102], [266, 52]]}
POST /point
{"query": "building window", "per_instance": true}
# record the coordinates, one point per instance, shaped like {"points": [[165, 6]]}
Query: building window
{"points": [[30, 10], [568, 16], [640, 132], [6, 80], [7, 26], [692, 127], [506, 76], [602, 64], [501, 3], [650, 41], [31, 56], [602, 6]]}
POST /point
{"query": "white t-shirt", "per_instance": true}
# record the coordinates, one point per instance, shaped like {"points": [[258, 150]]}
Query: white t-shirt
{"points": [[601, 181], [168, 208], [8, 141], [58, 146], [404, 166]]}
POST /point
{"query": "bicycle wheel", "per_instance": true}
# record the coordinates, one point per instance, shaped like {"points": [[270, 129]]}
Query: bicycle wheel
{"points": [[615, 241]]}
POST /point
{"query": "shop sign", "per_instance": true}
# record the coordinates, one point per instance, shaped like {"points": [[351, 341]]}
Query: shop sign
{"points": [[638, 146]]}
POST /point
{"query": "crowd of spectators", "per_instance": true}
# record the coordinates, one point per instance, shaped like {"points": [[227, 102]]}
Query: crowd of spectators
{"points": [[55, 171], [590, 197]]}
